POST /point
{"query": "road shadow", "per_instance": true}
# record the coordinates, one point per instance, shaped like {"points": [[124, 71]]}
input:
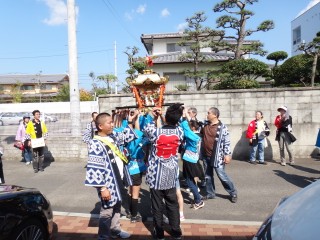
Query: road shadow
{"points": [[297, 180], [48, 157], [306, 169], [144, 206], [10, 139], [93, 221], [241, 150]]}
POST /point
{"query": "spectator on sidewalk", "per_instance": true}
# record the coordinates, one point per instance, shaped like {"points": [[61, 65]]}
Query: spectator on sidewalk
{"points": [[20, 136], [107, 172], [36, 132], [217, 153], [283, 122], [257, 132]]}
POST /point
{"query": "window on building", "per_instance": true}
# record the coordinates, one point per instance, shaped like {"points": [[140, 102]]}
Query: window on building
{"points": [[27, 87], [174, 47], [46, 87], [296, 35]]}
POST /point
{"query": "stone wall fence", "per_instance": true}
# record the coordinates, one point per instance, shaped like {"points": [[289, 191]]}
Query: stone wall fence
{"points": [[237, 109]]}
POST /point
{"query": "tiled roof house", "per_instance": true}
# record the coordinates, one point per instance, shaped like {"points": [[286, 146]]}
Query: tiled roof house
{"points": [[166, 53], [46, 85]]}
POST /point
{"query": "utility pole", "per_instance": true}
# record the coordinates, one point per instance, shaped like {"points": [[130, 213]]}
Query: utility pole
{"points": [[39, 83], [115, 68], [73, 71]]}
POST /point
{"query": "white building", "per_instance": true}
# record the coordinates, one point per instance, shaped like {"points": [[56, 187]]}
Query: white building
{"points": [[304, 28], [166, 51]]}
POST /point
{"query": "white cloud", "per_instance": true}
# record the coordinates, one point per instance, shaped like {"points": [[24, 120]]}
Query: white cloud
{"points": [[58, 12], [129, 16], [141, 9], [310, 5], [182, 26], [165, 12]]}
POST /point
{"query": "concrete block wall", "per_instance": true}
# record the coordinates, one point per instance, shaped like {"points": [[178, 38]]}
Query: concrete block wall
{"points": [[237, 109], [59, 148]]}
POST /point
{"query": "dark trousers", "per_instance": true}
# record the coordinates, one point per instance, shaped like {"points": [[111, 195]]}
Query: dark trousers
{"points": [[171, 203], [1, 172], [38, 158]]}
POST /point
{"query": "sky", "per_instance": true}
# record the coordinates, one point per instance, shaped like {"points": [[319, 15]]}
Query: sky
{"points": [[34, 33]]}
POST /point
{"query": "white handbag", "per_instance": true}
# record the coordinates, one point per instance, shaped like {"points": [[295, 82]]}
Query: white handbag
{"points": [[37, 142]]}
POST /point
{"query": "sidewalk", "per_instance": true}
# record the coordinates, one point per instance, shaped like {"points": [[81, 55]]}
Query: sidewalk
{"points": [[84, 227]]}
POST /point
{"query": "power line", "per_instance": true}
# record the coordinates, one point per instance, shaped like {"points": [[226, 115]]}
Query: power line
{"points": [[118, 18], [54, 55]]}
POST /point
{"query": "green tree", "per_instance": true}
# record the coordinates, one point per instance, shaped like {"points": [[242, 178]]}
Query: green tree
{"points": [[101, 91], [64, 93], [294, 71], [16, 93], [94, 84], [312, 49], [107, 79], [237, 20], [277, 57], [241, 74], [196, 36], [249, 69], [85, 95], [231, 83], [131, 52]]}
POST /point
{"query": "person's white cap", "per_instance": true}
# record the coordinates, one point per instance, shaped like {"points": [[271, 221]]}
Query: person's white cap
{"points": [[283, 108]]}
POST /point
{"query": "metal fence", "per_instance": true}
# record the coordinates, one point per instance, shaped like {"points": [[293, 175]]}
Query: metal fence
{"points": [[57, 124]]}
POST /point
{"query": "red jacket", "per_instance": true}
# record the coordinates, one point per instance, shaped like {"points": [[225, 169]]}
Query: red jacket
{"points": [[251, 129], [277, 122]]}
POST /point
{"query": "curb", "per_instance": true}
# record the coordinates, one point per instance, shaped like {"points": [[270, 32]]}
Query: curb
{"points": [[198, 221]]}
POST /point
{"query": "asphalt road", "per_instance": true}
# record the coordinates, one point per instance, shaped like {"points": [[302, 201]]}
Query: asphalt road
{"points": [[259, 188]]}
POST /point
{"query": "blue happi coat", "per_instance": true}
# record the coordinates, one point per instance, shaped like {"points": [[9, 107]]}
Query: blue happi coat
{"points": [[100, 172], [163, 169]]}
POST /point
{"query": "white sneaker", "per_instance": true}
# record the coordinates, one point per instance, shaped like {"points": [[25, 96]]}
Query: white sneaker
{"points": [[28, 163], [199, 205], [122, 235]]}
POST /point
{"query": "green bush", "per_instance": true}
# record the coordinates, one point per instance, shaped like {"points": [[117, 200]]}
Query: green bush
{"points": [[246, 69], [139, 66], [237, 84], [295, 71]]}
